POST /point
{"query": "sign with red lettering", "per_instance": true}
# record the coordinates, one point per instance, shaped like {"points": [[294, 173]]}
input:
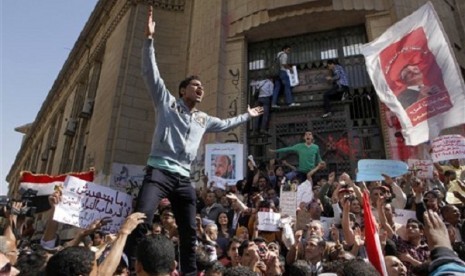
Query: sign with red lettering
{"points": [[448, 147]]}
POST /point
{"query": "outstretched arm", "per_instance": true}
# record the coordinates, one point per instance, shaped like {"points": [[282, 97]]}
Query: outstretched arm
{"points": [[155, 84], [150, 27]]}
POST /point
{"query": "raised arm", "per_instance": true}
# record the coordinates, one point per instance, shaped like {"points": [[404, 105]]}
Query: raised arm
{"points": [[109, 265], [382, 218], [400, 198], [155, 84], [51, 227]]}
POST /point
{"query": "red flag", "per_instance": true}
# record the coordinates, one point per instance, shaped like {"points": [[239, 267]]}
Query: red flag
{"points": [[372, 243], [44, 185]]}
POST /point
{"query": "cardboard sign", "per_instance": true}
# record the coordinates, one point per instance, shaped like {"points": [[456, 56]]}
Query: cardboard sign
{"points": [[268, 221], [448, 147], [287, 203], [423, 168], [84, 202], [371, 169]]}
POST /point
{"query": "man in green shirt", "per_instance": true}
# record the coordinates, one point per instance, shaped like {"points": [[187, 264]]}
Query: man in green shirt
{"points": [[309, 157]]}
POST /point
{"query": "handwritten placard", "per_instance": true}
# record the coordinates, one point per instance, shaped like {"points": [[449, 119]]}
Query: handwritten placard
{"points": [[371, 169], [304, 192], [84, 202], [268, 221], [401, 216], [287, 203], [423, 168], [448, 147]]}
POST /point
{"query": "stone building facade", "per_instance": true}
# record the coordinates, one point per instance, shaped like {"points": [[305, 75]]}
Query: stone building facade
{"points": [[98, 113]]}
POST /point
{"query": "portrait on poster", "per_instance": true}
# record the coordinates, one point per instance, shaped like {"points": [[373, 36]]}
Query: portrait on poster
{"points": [[415, 78], [224, 163]]}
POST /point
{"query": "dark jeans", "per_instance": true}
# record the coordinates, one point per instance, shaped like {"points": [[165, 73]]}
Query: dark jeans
{"points": [[283, 80], [261, 122], [181, 194], [332, 92]]}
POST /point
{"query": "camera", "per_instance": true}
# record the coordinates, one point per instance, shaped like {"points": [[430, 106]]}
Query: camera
{"points": [[26, 209], [349, 197]]}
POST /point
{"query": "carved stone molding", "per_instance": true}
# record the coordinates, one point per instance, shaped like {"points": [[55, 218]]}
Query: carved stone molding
{"points": [[170, 5]]}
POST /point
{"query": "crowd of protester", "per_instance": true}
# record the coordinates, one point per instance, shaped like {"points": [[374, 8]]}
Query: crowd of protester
{"points": [[229, 241]]}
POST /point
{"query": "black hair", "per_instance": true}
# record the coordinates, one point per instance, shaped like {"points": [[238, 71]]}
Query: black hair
{"points": [[243, 247], [390, 249], [300, 268], [285, 47], [185, 82], [412, 220], [32, 262], [259, 240], [332, 61], [449, 173], [71, 261], [239, 271], [356, 267], [156, 254]]}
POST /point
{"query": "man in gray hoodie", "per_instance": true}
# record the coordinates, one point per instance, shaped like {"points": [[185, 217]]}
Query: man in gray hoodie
{"points": [[178, 133]]}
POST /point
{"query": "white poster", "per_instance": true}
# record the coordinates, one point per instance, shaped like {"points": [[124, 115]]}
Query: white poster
{"points": [[414, 71], [422, 168], [304, 193], [287, 203], [401, 216], [224, 163], [448, 147], [268, 221], [84, 202]]}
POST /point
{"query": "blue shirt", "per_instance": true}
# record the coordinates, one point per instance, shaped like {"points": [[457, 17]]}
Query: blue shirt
{"points": [[340, 75]]}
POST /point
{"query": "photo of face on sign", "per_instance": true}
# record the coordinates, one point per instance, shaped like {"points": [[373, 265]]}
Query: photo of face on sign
{"points": [[223, 166], [415, 78]]}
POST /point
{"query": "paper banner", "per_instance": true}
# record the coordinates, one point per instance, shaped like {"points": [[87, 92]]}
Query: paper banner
{"points": [[268, 221], [448, 147], [84, 202]]}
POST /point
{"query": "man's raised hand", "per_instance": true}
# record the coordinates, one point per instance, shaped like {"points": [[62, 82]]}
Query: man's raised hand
{"points": [[256, 111], [150, 28]]}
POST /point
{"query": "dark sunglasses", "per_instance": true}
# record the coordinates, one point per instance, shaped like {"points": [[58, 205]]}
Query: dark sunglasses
{"points": [[6, 268]]}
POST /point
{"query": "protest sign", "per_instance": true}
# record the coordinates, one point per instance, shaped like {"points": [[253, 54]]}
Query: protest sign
{"points": [[287, 203], [371, 169], [452, 199], [304, 192], [268, 221], [84, 202], [224, 162], [401, 216], [448, 147], [423, 168]]}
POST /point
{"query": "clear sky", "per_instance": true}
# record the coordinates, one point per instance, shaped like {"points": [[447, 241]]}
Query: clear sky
{"points": [[36, 38]]}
